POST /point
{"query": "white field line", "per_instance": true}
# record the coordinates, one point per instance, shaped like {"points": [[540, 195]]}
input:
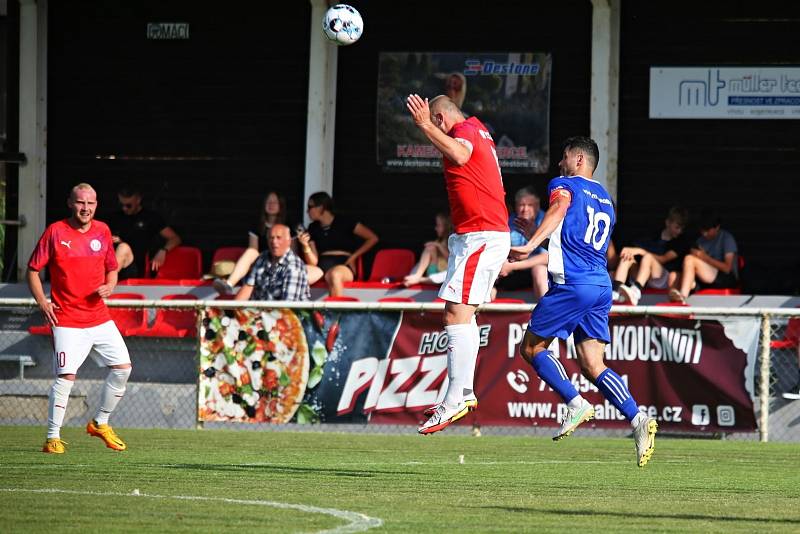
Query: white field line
{"points": [[573, 461], [357, 522]]}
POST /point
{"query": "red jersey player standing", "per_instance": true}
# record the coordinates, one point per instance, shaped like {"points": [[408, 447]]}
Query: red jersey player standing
{"points": [[478, 247], [83, 271]]}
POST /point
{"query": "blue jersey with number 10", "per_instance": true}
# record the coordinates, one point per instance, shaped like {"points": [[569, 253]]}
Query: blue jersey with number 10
{"points": [[578, 246]]}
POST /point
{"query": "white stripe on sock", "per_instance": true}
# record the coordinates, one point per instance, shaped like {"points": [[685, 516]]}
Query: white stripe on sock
{"points": [[613, 388], [561, 370], [620, 386]]}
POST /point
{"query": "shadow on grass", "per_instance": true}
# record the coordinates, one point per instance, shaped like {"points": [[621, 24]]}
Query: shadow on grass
{"points": [[628, 515], [276, 468]]}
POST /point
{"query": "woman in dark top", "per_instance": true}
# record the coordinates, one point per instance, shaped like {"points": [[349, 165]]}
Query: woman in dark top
{"points": [[333, 244]]}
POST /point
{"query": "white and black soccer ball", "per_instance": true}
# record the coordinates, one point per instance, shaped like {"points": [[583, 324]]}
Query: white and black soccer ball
{"points": [[342, 24]]}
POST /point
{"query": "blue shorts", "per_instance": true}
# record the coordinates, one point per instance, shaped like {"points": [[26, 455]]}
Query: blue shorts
{"points": [[566, 309]]}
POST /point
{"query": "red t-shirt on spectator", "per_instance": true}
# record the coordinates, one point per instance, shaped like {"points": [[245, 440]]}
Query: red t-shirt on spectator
{"points": [[475, 189], [78, 265]]}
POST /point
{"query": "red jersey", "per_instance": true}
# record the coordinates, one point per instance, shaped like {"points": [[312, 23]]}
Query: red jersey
{"points": [[475, 189], [78, 265]]}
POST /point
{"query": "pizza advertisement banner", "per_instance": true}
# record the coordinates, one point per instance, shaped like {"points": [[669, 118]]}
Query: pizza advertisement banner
{"points": [[334, 366], [509, 92]]}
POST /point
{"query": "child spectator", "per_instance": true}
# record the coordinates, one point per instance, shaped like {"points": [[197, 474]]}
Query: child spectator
{"points": [[659, 259], [712, 263], [433, 260]]}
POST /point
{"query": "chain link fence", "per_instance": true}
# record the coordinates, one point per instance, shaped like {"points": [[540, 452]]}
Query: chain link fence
{"points": [[163, 388]]}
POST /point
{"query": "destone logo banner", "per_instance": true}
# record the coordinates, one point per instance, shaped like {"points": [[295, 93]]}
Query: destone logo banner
{"points": [[508, 92]]}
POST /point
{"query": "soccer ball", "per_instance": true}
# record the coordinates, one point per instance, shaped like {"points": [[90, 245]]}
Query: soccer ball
{"points": [[342, 24]]}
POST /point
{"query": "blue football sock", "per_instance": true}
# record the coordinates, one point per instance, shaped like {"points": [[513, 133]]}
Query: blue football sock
{"points": [[613, 388], [553, 373]]}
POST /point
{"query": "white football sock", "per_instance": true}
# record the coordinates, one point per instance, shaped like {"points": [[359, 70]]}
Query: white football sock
{"points": [[460, 363], [637, 419], [576, 402], [113, 390], [57, 406], [476, 346]]}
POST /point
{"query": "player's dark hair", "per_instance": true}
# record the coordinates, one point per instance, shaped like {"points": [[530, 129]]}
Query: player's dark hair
{"points": [[321, 198], [585, 145], [709, 218]]}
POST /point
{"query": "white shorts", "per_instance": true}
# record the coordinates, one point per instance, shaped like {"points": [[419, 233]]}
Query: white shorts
{"points": [[72, 346], [473, 265]]}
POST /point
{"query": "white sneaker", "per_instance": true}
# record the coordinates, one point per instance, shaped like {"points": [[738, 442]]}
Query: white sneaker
{"points": [[630, 294], [470, 400], [442, 417], [573, 418], [644, 435], [789, 395], [615, 296]]}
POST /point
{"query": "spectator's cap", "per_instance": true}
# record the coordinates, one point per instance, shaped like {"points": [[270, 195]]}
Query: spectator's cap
{"points": [[220, 269]]}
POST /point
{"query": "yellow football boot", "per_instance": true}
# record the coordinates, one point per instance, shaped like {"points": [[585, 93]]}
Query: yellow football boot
{"points": [[107, 434], [54, 446]]}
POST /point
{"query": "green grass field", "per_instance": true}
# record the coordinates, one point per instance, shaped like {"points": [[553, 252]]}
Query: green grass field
{"points": [[228, 481]]}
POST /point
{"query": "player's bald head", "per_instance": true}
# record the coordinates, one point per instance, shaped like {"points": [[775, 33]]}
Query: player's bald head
{"points": [[444, 104]]}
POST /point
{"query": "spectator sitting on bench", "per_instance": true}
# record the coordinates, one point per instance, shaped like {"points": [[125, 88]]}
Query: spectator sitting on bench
{"points": [[333, 244], [654, 262], [136, 232], [432, 265], [712, 263], [531, 271], [277, 274], [273, 211]]}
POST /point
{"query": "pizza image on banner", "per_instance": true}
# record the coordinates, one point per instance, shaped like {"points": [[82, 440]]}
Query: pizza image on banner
{"points": [[254, 365]]}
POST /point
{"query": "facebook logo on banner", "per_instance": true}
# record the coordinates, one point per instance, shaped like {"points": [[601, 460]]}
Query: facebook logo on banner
{"points": [[701, 415]]}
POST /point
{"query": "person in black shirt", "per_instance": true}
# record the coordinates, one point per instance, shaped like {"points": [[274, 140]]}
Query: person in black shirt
{"points": [[660, 259], [333, 243], [138, 232]]}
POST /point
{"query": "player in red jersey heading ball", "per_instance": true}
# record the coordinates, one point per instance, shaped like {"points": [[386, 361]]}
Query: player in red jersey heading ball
{"points": [[478, 247]]}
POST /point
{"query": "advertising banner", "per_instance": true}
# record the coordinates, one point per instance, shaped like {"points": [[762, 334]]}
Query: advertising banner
{"points": [[386, 367], [725, 92], [509, 92]]}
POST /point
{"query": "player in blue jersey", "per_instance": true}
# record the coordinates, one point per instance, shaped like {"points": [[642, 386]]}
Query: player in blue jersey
{"points": [[579, 222]]}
